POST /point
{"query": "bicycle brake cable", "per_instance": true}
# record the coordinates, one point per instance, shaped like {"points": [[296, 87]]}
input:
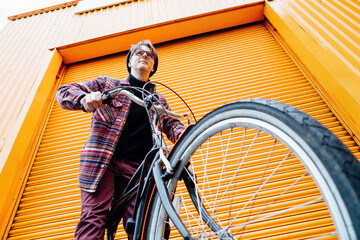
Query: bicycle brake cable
{"points": [[188, 107]]}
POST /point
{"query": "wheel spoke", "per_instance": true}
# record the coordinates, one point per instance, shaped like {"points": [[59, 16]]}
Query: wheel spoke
{"points": [[224, 155], [261, 181], [323, 236], [234, 187], [276, 199], [261, 186], [205, 164], [202, 197], [281, 212], [239, 167]]}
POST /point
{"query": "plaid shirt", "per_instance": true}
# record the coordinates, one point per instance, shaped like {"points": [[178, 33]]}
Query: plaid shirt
{"points": [[106, 126]]}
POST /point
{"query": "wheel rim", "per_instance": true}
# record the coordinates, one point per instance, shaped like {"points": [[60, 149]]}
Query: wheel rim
{"points": [[263, 191]]}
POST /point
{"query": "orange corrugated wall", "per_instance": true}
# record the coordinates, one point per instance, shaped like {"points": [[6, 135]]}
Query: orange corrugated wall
{"points": [[325, 36], [207, 71], [333, 24], [38, 31]]}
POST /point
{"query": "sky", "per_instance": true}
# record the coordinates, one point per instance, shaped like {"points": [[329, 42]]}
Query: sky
{"points": [[14, 7]]}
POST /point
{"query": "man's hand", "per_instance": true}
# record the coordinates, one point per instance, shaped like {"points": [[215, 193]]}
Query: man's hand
{"points": [[92, 101]]}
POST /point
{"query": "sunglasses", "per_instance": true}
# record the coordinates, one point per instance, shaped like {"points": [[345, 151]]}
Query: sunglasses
{"points": [[140, 53]]}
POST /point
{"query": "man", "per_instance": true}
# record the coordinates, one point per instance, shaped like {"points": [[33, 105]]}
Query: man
{"points": [[120, 136]]}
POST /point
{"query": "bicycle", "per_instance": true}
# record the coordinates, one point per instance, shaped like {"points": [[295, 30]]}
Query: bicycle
{"points": [[275, 166]]}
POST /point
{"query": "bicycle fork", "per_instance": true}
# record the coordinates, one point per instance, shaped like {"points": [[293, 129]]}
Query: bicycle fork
{"points": [[166, 201], [170, 210]]}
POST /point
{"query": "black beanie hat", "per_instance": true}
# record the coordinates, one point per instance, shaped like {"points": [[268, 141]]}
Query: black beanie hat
{"points": [[129, 68]]}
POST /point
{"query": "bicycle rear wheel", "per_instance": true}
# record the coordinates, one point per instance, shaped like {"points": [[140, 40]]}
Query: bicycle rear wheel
{"points": [[264, 170]]}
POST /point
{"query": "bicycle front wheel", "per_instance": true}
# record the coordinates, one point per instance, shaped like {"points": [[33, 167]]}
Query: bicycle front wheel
{"points": [[264, 170]]}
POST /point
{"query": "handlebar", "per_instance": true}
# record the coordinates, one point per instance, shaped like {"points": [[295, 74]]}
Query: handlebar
{"points": [[111, 94]]}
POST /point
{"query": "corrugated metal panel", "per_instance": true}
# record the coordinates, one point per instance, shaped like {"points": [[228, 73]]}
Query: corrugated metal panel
{"points": [[26, 40], [207, 71], [325, 36], [333, 24], [24, 46]]}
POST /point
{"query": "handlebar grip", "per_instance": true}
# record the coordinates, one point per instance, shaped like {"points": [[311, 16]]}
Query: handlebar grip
{"points": [[82, 108], [106, 97]]}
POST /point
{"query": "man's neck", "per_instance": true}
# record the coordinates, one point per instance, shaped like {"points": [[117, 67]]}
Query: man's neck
{"points": [[140, 76]]}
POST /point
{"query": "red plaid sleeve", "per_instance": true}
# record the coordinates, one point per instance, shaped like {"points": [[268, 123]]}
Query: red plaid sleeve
{"points": [[69, 95], [170, 126]]}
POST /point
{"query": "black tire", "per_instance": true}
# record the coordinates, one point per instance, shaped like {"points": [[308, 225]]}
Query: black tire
{"points": [[294, 179]]}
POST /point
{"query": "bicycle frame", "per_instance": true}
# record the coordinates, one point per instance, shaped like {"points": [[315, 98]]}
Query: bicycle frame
{"points": [[142, 185], [143, 181], [151, 178]]}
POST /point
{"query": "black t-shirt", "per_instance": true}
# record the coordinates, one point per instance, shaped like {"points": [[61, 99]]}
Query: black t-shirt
{"points": [[135, 140]]}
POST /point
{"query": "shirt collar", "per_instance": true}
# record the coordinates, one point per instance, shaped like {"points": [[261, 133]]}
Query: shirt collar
{"points": [[137, 83]]}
